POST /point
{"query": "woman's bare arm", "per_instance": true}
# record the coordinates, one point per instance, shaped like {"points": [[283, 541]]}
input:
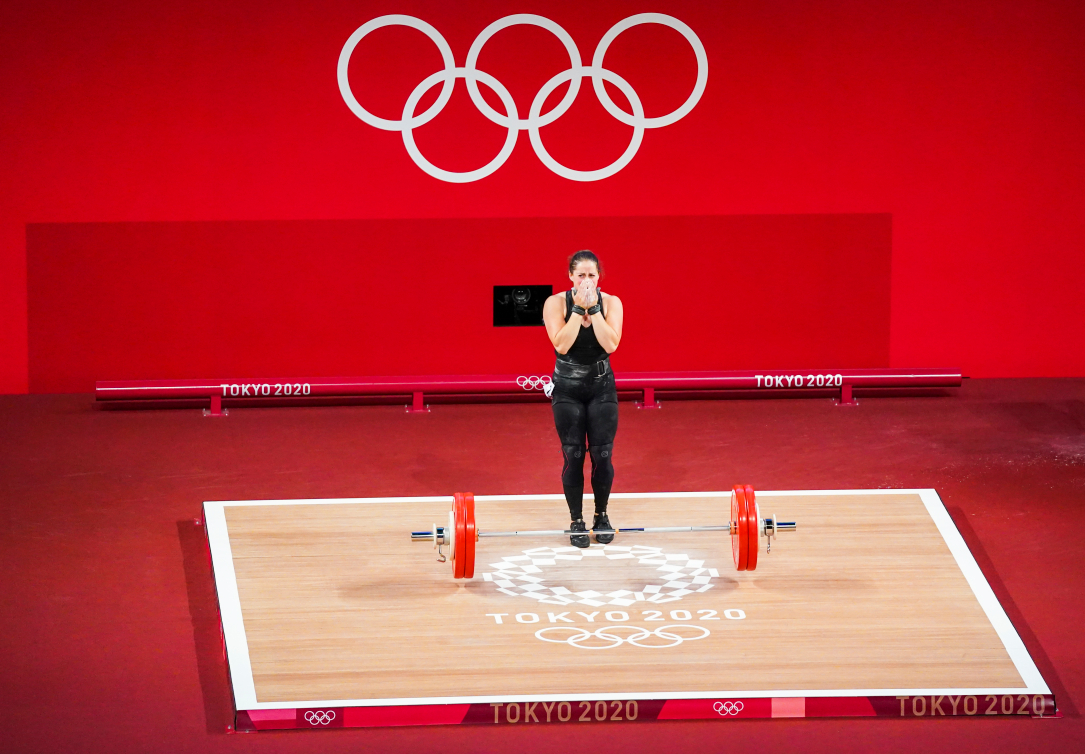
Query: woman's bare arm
{"points": [[608, 330], [562, 334]]}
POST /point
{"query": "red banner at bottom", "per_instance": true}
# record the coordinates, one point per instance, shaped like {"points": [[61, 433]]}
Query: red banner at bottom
{"points": [[650, 710]]}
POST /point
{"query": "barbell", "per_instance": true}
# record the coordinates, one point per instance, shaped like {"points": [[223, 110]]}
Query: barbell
{"points": [[745, 527]]}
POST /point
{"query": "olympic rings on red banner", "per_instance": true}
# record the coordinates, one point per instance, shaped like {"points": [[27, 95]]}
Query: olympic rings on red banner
{"points": [[319, 717], [728, 707], [533, 383]]}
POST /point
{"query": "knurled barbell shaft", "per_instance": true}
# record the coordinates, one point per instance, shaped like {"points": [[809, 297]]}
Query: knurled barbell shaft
{"points": [[428, 535]]}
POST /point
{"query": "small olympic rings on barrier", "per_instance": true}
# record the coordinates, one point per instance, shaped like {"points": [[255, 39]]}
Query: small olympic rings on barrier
{"points": [[581, 635], [319, 717], [533, 383], [510, 119], [728, 708]]}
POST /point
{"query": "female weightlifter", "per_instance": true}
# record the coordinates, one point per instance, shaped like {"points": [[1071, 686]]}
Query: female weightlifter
{"points": [[585, 326]]}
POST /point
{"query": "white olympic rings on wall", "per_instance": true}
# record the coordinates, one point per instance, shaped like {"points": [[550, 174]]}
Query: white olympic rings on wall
{"points": [[319, 717], [532, 382], [510, 119], [639, 634]]}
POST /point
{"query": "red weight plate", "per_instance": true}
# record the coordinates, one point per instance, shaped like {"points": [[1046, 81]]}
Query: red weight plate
{"points": [[734, 525], [456, 568], [459, 557], [752, 527], [744, 526], [470, 537], [742, 535]]}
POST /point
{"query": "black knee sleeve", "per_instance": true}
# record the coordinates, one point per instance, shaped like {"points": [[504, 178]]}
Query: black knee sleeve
{"points": [[572, 479], [602, 474]]}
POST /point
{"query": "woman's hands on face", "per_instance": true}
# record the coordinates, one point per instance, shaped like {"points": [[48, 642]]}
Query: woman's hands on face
{"points": [[585, 295]]}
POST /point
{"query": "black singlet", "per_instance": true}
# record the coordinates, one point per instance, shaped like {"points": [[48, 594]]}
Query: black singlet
{"points": [[586, 349]]}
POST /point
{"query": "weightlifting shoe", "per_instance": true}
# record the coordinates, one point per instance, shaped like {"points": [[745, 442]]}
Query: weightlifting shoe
{"points": [[602, 522], [579, 540]]}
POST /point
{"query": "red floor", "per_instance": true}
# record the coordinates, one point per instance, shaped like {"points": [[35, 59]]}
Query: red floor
{"points": [[111, 637]]}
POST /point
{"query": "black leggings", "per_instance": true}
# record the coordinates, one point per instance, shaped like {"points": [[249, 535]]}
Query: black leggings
{"points": [[586, 406]]}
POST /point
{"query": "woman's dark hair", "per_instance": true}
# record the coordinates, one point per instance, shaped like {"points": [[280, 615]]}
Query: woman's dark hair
{"points": [[585, 256]]}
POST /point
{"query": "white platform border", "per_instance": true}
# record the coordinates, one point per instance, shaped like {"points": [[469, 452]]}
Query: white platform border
{"points": [[244, 687]]}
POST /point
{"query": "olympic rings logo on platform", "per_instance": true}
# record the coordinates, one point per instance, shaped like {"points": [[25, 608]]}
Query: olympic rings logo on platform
{"points": [[319, 717], [728, 708], [581, 635], [536, 118], [533, 383]]}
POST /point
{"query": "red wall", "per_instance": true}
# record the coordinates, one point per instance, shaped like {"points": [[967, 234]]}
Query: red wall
{"points": [[324, 298], [963, 121]]}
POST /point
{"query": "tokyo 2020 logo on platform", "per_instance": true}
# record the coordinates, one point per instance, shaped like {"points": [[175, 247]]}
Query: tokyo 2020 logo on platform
{"points": [[531, 574], [511, 120]]}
